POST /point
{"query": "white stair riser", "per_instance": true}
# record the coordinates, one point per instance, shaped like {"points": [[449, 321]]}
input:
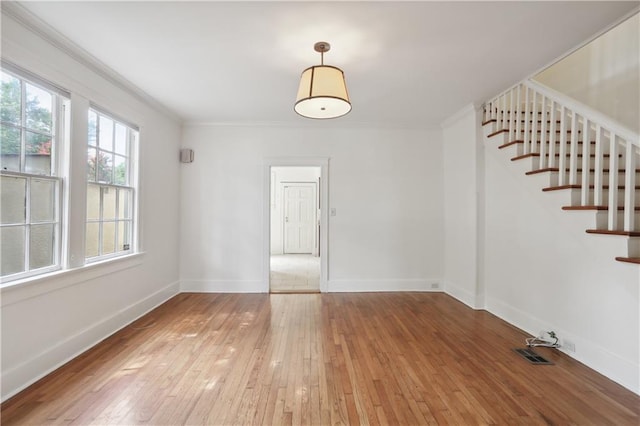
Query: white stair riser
{"points": [[602, 220]]}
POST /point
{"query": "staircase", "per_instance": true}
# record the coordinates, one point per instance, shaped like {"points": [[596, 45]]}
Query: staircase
{"points": [[574, 150]]}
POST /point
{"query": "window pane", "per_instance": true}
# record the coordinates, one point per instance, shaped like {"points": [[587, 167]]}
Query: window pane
{"points": [[93, 240], [108, 203], [105, 134], [93, 202], [93, 128], [108, 237], [42, 200], [38, 109], [12, 243], [10, 99], [13, 197], [124, 204], [121, 139], [38, 154], [41, 246], [91, 165], [120, 170], [10, 148], [104, 163], [124, 236]]}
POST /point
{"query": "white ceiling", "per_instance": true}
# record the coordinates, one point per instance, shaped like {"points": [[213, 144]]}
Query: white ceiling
{"points": [[406, 63]]}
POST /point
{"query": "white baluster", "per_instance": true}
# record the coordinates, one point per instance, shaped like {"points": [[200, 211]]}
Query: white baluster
{"points": [[562, 160], [534, 122], [598, 193], [512, 115], [573, 151], [527, 116], [613, 182], [544, 159], [518, 113], [552, 136], [586, 162], [629, 187]]}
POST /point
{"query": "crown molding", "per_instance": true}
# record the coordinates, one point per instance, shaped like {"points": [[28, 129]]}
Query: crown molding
{"points": [[313, 124], [45, 31]]}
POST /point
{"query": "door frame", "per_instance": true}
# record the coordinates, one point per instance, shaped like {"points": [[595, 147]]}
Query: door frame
{"points": [[323, 163]]}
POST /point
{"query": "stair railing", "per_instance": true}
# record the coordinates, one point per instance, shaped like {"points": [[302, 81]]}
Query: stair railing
{"points": [[565, 135]]}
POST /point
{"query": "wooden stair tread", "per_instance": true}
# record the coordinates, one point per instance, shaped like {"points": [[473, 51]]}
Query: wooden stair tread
{"points": [[560, 187], [537, 142], [497, 132], [599, 208], [608, 232], [508, 144], [537, 154], [635, 260], [547, 169], [555, 169]]}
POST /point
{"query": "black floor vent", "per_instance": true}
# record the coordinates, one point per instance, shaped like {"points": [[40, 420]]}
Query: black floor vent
{"points": [[533, 357]]}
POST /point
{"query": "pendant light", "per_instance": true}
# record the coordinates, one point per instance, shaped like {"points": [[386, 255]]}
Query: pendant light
{"points": [[322, 92]]}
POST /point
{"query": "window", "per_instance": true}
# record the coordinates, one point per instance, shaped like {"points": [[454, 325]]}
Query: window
{"points": [[30, 132], [110, 187]]}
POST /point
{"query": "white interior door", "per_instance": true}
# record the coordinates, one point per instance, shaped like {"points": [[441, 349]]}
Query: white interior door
{"points": [[299, 218]]}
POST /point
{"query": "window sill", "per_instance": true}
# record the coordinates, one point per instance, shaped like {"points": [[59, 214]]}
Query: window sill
{"points": [[19, 290]]}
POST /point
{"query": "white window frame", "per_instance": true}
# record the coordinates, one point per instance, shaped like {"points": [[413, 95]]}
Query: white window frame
{"points": [[60, 107], [132, 186]]}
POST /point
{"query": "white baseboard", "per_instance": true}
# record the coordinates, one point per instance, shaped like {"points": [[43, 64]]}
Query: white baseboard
{"points": [[623, 371], [28, 372], [223, 286], [361, 286], [462, 295]]}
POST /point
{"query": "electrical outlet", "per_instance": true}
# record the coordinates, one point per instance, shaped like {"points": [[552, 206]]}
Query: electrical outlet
{"points": [[569, 345], [435, 285]]}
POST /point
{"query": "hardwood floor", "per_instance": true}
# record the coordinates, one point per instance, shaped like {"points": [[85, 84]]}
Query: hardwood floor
{"points": [[396, 358]]}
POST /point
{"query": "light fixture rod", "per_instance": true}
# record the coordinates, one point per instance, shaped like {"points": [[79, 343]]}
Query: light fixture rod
{"points": [[322, 47]]}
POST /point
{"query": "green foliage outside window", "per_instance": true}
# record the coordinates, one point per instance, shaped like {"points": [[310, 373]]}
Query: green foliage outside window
{"points": [[38, 118]]}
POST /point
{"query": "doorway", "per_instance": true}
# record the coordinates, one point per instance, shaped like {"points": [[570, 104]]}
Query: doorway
{"points": [[295, 250]]}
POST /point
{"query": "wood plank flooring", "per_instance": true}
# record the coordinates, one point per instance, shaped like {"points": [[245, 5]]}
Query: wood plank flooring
{"points": [[325, 359]]}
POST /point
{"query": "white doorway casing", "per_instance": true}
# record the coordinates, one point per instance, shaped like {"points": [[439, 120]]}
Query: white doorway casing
{"points": [[323, 164]]}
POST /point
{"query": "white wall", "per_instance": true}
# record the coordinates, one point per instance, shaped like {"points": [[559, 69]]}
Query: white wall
{"points": [[280, 175], [385, 184], [462, 149], [605, 74], [49, 320]]}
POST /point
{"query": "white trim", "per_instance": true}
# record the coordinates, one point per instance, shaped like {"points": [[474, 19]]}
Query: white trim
{"points": [[223, 286], [315, 124], [463, 295], [59, 41], [39, 365], [323, 163], [19, 290], [386, 285], [623, 371]]}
